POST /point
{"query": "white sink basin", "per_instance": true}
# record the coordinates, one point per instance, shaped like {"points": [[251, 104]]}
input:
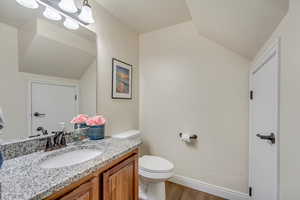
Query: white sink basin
{"points": [[70, 158]]}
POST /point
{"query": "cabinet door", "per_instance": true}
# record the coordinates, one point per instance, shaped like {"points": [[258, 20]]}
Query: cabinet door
{"points": [[121, 182], [87, 191]]}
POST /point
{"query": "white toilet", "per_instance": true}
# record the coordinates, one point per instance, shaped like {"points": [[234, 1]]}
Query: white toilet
{"points": [[153, 171]]}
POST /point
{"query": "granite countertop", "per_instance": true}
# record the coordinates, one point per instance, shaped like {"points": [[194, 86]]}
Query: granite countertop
{"points": [[22, 178]]}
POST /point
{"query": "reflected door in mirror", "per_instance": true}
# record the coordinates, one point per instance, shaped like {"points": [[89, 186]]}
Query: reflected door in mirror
{"points": [[52, 104]]}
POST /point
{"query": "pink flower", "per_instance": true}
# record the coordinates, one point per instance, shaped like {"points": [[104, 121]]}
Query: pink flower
{"points": [[80, 119], [96, 121]]}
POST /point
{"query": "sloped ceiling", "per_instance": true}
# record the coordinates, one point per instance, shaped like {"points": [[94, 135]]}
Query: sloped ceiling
{"points": [[45, 56], [47, 49], [240, 25], [148, 15]]}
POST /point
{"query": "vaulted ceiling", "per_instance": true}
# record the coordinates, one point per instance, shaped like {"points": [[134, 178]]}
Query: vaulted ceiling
{"points": [[240, 25], [148, 15]]}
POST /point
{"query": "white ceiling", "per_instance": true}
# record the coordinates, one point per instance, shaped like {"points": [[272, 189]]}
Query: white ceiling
{"points": [[240, 25], [48, 49], [45, 56], [148, 15]]}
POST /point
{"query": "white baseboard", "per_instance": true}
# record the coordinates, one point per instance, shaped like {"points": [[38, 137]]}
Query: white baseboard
{"points": [[209, 188]]}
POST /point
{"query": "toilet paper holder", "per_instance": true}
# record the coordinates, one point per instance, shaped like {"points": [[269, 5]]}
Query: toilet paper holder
{"points": [[192, 137]]}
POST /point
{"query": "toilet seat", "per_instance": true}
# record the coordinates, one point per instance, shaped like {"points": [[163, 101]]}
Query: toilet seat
{"points": [[155, 177], [155, 164]]}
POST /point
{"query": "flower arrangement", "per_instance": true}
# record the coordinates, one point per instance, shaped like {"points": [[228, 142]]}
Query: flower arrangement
{"points": [[95, 125], [97, 120], [80, 119]]}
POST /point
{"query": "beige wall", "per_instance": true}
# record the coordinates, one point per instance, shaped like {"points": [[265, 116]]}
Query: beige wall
{"points": [[191, 84], [12, 89], [289, 32], [116, 40], [88, 91]]}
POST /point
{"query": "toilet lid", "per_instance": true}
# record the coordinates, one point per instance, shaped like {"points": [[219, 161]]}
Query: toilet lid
{"points": [[155, 164]]}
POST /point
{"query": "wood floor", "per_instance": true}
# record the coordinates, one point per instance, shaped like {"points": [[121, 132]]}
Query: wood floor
{"points": [[178, 192]]}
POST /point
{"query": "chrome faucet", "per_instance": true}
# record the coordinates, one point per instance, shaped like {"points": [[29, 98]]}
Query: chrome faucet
{"points": [[44, 131], [56, 142], [59, 139]]}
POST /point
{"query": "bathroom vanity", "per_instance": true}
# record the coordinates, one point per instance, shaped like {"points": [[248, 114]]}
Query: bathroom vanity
{"points": [[116, 180], [111, 175]]}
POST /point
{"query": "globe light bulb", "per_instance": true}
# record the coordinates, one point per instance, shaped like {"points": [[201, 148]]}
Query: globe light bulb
{"points": [[28, 3], [86, 14], [71, 24], [52, 14], [68, 6]]}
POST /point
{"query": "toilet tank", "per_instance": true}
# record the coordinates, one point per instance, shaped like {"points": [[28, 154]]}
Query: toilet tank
{"points": [[131, 134]]}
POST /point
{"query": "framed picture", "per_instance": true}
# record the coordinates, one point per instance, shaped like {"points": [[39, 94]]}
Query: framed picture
{"points": [[121, 80]]}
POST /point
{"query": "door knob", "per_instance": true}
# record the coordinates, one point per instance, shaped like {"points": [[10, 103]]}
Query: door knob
{"points": [[270, 137], [37, 114]]}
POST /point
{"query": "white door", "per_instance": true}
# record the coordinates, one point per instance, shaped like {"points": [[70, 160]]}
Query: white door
{"points": [[264, 127], [52, 104]]}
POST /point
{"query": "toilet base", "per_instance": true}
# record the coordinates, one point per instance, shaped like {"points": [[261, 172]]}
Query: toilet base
{"points": [[152, 191]]}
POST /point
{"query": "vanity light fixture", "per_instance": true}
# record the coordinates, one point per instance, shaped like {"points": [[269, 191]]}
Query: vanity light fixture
{"points": [[28, 3], [71, 24], [55, 10], [86, 14], [68, 6], [52, 14]]}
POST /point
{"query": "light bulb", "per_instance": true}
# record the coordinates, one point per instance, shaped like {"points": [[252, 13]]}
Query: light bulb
{"points": [[71, 24], [68, 6], [28, 3], [52, 14], [86, 14]]}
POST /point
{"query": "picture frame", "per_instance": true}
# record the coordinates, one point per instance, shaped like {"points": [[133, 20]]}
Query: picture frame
{"points": [[121, 80]]}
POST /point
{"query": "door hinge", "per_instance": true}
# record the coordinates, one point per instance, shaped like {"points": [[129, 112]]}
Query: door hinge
{"points": [[250, 191], [76, 97], [251, 95]]}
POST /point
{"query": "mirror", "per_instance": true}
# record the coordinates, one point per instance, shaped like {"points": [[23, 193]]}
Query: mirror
{"points": [[47, 72]]}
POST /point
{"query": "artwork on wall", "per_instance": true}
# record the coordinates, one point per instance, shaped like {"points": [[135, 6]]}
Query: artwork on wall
{"points": [[121, 80]]}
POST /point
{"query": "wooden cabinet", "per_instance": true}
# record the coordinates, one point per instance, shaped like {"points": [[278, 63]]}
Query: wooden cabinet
{"points": [[86, 191], [121, 181], [118, 180]]}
